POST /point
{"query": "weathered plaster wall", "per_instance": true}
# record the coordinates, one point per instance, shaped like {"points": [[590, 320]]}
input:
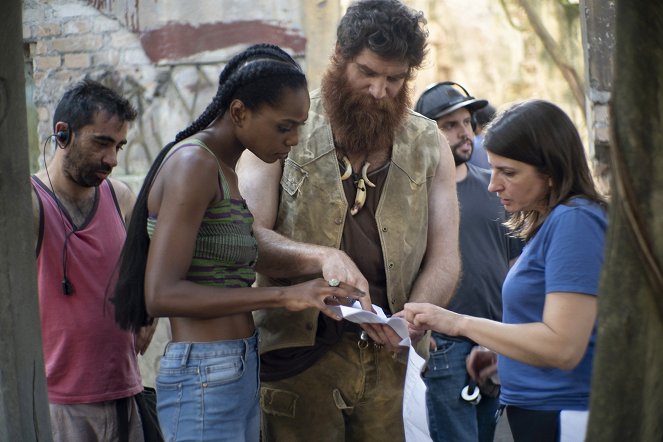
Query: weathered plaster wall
{"points": [[177, 31], [166, 54]]}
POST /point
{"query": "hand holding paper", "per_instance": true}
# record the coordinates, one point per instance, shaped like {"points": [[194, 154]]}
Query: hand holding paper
{"points": [[358, 316]]}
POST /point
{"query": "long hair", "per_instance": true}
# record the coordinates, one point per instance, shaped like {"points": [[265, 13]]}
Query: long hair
{"points": [[539, 133], [257, 76]]}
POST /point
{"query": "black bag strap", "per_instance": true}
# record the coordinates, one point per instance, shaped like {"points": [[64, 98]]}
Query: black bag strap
{"points": [[122, 408], [147, 407]]}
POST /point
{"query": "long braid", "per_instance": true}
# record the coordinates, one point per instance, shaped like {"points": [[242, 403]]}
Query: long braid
{"points": [[256, 76], [217, 107]]}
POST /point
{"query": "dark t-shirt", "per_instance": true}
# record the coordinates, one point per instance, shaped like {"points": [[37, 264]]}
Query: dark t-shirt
{"points": [[361, 241], [485, 248]]}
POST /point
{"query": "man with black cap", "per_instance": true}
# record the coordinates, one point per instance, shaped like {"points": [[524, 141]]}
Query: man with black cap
{"points": [[486, 253]]}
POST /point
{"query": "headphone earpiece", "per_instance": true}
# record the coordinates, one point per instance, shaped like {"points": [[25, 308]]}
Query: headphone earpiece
{"points": [[63, 137]]}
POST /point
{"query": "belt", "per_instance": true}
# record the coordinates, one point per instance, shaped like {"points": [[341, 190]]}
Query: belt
{"points": [[364, 340]]}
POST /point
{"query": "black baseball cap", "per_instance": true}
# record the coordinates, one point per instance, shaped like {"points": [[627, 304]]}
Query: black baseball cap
{"points": [[443, 98]]}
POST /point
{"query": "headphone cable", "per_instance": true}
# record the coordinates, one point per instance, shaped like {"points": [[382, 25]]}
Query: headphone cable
{"points": [[67, 288]]}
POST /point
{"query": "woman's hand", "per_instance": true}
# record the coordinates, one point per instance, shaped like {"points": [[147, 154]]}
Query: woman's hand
{"points": [[383, 334], [144, 337], [416, 333], [431, 317], [318, 293]]}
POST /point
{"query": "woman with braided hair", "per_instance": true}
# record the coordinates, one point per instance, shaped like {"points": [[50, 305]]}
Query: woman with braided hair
{"points": [[190, 254]]}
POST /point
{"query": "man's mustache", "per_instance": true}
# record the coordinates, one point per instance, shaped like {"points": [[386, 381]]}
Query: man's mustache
{"points": [[461, 142]]}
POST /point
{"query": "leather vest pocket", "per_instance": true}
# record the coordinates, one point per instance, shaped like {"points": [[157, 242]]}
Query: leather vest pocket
{"points": [[293, 177]]}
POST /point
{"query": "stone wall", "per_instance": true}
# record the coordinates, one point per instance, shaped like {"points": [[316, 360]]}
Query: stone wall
{"points": [[66, 41]]}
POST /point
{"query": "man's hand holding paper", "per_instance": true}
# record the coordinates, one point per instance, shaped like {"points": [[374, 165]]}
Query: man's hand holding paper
{"points": [[390, 332]]}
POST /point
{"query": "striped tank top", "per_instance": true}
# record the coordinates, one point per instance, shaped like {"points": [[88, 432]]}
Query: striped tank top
{"points": [[225, 251]]}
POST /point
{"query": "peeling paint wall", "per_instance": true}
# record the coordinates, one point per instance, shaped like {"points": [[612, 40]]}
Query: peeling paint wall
{"points": [[175, 30]]}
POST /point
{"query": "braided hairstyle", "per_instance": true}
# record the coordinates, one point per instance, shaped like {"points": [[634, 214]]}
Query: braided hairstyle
{"points": [[258, 76]]}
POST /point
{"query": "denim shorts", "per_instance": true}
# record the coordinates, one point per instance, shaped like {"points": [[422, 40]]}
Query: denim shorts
{"points": [[208, 391]]}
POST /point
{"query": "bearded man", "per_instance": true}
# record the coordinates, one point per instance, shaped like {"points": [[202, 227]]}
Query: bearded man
{"points": [[79, 216], [366, 198]]}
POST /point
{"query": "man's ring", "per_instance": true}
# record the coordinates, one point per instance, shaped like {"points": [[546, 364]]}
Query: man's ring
{"points": [[334, 282]]}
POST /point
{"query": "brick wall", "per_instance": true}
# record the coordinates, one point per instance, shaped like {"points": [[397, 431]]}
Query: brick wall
{"points": [[68, 40]]}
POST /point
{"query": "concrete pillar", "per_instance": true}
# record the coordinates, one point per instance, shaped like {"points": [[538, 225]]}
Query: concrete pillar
{"points": [[23, 400]]}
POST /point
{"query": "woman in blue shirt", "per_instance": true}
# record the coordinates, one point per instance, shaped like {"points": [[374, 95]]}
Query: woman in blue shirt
{"points": [[546, 338]]}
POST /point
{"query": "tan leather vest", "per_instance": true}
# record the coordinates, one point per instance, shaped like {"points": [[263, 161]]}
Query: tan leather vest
{"points": [[313, 208]]}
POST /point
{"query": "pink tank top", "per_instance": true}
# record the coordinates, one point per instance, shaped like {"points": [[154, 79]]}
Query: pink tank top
{"points": [[88, 357]]}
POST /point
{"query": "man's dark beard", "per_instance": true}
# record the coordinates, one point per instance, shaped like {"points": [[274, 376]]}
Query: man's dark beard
{"points": [[360, 123], [80, 170], [459, 159]]}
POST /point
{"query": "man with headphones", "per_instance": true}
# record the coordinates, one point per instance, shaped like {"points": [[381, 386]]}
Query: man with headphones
{"points": [[457, 412], [79, 218]]}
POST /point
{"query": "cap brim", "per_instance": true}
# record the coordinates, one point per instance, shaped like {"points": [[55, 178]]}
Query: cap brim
{"points": [[472, 105]]}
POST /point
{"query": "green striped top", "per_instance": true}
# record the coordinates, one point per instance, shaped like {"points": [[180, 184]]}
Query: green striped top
{"points": [[225, 251]]}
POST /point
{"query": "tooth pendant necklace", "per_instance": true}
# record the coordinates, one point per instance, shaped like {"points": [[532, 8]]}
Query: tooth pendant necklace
{"points": [[360, 183]]}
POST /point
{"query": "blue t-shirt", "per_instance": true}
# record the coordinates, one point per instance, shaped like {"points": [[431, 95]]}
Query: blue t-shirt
{"points": [[565, 255]]}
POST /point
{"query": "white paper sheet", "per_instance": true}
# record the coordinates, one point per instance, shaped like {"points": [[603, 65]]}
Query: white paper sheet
{"points": [[415, 414], [573, 425]]}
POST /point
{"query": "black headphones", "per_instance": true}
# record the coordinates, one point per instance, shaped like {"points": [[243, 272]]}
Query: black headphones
{"points": [[453, 83], [473, 119], [63, 136]]}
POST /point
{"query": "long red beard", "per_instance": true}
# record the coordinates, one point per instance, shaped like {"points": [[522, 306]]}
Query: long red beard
{"points": [[360, 123]]}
